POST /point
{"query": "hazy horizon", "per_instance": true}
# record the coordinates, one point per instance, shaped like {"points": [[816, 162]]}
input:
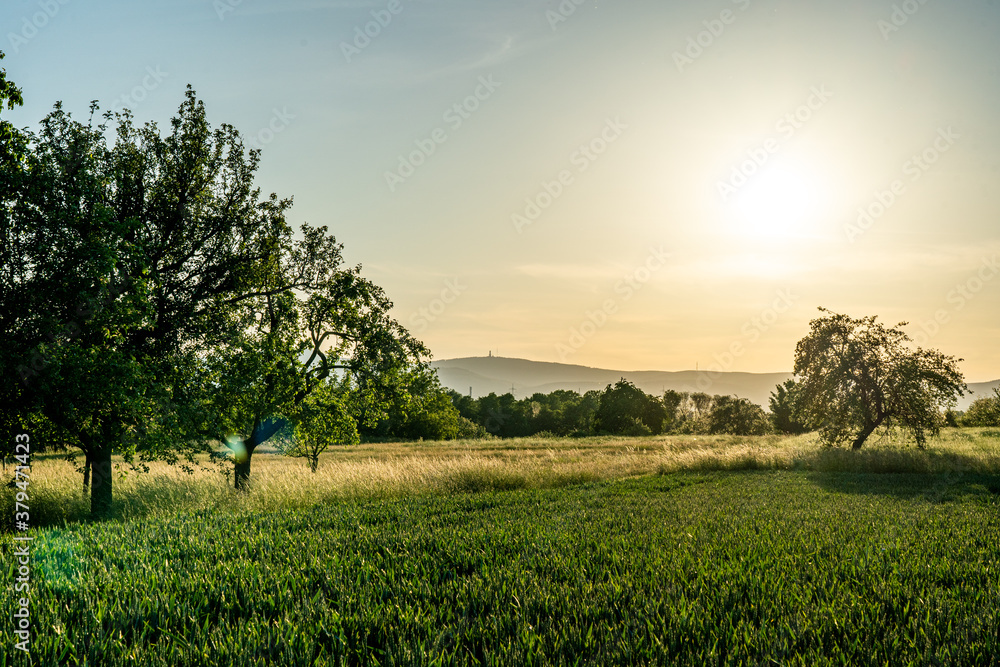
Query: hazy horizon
{"points": [[634, 185]]}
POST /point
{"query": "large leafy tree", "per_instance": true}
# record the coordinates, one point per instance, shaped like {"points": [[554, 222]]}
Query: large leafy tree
{"points": [[126, 263], [857, 376]]}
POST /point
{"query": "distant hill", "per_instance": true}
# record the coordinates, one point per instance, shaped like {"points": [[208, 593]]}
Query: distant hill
{"points": [[499, 374]]}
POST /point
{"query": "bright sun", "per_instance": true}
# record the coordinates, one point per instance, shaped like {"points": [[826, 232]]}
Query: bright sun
{"points": [[780, 202]]}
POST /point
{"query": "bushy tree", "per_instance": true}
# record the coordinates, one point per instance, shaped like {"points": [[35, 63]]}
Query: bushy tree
{"points": [[983, 411], [858, 376], [561, 412], [702, 403], [784, 408], [624, 409], [737, 416], [504, 416], [691, 413], [578, 413], [467, 406], [419, 408]]}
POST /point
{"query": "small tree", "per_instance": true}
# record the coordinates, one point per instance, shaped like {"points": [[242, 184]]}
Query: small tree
{"points": [[858, 376], [337, 325], [324, 419]]}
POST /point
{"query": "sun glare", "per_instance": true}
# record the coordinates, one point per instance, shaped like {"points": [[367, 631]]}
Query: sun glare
{"points": [[780, 202]]}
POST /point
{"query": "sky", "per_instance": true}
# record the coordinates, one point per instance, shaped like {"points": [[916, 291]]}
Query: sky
{"points": [[635, 185]]}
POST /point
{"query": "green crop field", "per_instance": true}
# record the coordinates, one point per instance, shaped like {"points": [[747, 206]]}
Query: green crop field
{"points": [[787, 564]]}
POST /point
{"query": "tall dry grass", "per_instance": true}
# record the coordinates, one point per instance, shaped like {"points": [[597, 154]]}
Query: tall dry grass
{"points": [[390, 469]]}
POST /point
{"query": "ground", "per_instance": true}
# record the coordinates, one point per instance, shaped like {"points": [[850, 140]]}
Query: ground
{"points": [[535, 552]]}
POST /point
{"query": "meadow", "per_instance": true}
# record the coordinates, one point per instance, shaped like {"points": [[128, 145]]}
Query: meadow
{"points": [[686, 550]]}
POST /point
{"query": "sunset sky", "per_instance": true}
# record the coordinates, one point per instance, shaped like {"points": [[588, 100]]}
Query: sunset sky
{"points": [[632, 185]]}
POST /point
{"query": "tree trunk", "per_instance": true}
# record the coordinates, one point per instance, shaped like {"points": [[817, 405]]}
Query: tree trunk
{"points": [[86, 473], [867, 431], [262, 430], [242, 472], [100, 489], [314, 462]]}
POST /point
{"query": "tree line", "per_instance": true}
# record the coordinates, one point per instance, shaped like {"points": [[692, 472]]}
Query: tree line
{"points": [[619, 409]]}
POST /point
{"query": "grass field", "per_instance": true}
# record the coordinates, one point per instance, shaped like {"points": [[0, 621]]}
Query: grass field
{"points": [[600, 551]]}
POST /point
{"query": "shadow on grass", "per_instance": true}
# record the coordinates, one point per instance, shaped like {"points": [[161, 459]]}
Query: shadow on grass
{"points": [[936, 488]]}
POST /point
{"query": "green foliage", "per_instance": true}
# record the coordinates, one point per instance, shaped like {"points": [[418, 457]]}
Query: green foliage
{"points": [[627, 410], [432, 417], [983, 411], [784, 408], [672, 401], [106, 303], [11, 141], [311, 319], [858, 376], [418, 408], [690, 569], [737, 416], [324, 419]]}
